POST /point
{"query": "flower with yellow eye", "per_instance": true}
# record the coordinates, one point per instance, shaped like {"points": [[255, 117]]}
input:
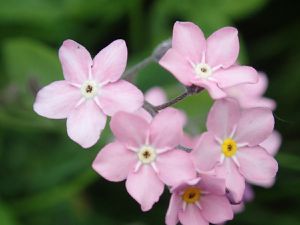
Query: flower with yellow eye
{"points": [[231, 146]]}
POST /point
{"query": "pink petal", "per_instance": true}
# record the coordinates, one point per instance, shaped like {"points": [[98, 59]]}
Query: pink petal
{"points": [[178, 66], [223, 118], [222, 47], [212, 184], [255, 126], [188, 39], [166, 129], [238, 208], [272, 143], [85, 123], [172, 213], [76, 61], [265, 183], [110, 62], [235, 75], [114, 162], [206, 153], [144, 114], [192, 216], [256, 164], [120, 96], [56, 100], [216, 209], [234, 181], [132, 130], [174, 167], [156, 96], [213, 89], [145, 187]]}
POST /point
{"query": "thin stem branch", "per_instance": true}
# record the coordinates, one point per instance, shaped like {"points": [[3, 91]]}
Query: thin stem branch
{"points": [[190, 91], [131, 73], [156, 55]]}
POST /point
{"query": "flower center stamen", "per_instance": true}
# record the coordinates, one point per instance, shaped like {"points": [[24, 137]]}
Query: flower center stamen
{"points": [[147, 154], [89, 89], [191, 195], [203, 70], [229, 147]]}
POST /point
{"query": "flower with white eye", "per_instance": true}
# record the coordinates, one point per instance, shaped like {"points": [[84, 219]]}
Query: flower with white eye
{"points": [[209, 63], [145, 154], [92, 89]]}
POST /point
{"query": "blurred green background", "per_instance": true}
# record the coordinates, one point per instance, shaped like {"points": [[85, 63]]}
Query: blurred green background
{"points": [[47, 179]]}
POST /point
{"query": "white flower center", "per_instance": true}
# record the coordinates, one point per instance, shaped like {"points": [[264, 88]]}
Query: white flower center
{"points": [[147, 154], [89, 89], [203, 70]]}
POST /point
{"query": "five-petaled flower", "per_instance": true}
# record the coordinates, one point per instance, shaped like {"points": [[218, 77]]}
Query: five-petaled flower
{"points": [[91, 90], [231, 146], [145, 154], [199, 202], [207, 63]]}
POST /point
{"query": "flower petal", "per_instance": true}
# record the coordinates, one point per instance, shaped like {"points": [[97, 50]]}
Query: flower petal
{"points": [[222, 47], [85, 123], [192, 216], [110, 62], [76, 61], [213, 89], [235, 75], [132, 130], [138, 186], [156, 96], [223, 118], [255, 126], [234, 181], [216, 209], [256, 164], [120, 96], [172, 213], [206, 153], [174, 167], [166, 129], [188, 39], [114, 162], [178, 66], [272, 143], [56, 100], [212, 184]]}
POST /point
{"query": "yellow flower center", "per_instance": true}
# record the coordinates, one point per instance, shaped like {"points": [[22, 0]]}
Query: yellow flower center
{"points": [[229, 147], [191, 195]]}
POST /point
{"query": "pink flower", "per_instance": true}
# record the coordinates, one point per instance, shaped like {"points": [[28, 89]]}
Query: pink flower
{"points": [[145, 154], [251, 95], [206, 63], [199, 202], [91, 90], [231, 146]]}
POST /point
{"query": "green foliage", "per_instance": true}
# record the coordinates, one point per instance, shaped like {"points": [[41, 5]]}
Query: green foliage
{"points": [[47, 179]]}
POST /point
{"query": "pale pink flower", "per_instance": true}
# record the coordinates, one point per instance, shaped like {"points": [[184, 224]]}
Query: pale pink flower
{"points": [[210, 63], [91, 90], [145, 154], [199, 202], [251, 95], [231, 146]]}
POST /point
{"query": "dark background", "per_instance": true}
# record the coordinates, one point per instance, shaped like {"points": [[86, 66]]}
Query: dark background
{"points": [[46, 179]]}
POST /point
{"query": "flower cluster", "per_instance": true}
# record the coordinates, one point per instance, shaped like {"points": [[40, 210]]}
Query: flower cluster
{"points": [[210, 175]]}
